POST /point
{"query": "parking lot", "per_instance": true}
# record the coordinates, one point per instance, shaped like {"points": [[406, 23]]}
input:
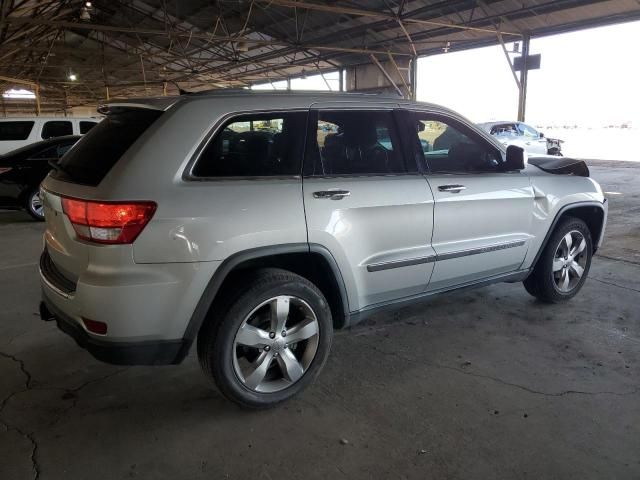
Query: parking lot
{"points": [[487, 383]]}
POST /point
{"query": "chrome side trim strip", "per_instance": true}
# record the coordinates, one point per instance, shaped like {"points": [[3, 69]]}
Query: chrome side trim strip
{"points": [[476, 251], [375, 267]]}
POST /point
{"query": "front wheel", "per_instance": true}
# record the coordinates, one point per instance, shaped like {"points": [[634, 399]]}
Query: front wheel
{"points": [[34, 205], [270, 342], [562, 268]]}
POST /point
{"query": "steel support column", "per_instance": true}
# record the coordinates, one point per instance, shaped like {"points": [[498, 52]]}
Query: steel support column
{"points": [[413, 77], [524, 75]]}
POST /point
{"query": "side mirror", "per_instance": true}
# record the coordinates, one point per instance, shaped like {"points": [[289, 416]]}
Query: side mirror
{"points": [[541, 135], [515, 159]]}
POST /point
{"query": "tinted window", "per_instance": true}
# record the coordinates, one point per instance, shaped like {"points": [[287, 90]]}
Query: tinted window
{"points": [[102, 147], [15, 130], [253, 146], [55, 151], [355, 143], [86, 126], [449, 148], [57, 128]]}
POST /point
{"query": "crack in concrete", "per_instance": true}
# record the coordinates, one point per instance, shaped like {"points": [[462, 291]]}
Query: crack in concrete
{"points": [[623, 260], [23, 369], [615, 285], [504, 382], [78, 389], [34, 446], [29, 387]]}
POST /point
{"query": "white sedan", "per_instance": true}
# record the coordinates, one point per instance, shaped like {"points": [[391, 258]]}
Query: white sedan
{"points": [[524, 136]]}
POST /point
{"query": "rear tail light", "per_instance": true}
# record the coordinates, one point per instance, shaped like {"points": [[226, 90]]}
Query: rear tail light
{"points": [[108, 222], [4, 170]]}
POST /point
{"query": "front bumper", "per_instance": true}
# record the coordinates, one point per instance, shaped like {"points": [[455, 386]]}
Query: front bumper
{"points": [[168, 352]]}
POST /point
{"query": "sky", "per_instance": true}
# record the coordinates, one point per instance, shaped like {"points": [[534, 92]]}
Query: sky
{"points": [[587, 78]]}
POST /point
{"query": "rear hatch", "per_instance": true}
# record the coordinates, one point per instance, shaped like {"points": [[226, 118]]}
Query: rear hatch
{"points": [[78, 176]]}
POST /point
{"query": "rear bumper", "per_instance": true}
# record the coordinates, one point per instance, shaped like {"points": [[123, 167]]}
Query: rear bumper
{"points": [[167, 352]]}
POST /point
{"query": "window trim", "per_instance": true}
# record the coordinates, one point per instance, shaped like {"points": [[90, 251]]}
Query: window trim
{"points": [[187, 174], [466, 130], [396, 115]]}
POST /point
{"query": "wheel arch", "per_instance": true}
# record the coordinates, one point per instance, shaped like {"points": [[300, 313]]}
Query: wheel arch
{"points": [[311, 261], [594, 214]]}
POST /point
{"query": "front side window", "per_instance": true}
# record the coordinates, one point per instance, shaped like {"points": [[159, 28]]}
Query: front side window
{"points": [[527, 131], [56, 128], [15, 130], [255, 145], [355, 143], [449, 148]]}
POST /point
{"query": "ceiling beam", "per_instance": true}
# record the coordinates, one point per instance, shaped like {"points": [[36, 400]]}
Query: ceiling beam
{"points": [[375, 14], [217, 38]]}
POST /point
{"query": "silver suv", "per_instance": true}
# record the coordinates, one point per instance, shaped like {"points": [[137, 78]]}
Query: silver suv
{"points": [[257, 223]]}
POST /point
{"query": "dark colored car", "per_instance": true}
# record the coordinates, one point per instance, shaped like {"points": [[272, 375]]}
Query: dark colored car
{"points": [[22, 170]]}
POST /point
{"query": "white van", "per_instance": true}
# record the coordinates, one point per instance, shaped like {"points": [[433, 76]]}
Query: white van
{"points": [[16, 132]]}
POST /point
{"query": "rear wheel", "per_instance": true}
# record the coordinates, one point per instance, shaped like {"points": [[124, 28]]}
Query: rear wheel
{"points": [[270, 342], [564, 263], [34, 205]]}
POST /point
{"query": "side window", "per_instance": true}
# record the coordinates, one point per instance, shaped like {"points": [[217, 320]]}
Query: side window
{"points": [[448, 148], [86, 126], [15, 130], [62, 149], [51, 152], [354, 143], [56, 128], [55, 151], [505, 129], [527, 131], [254, 146]]}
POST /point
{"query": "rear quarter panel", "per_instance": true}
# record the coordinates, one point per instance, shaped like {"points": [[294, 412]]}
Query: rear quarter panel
{"points": [[202, 220]]}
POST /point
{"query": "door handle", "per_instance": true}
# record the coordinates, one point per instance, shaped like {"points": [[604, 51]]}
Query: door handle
{"points": [[332, 194], [452, 188]]}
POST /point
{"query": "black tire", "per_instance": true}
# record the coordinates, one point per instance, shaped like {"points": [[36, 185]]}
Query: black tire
{"points": [[29, 205], [541, 283], [216, 350]]}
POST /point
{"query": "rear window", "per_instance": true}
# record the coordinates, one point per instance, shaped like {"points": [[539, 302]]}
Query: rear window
{"points": [[56, 128], [99, 150], [15, 130]]}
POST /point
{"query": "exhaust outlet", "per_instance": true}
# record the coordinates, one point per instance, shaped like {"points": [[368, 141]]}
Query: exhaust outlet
{"points": [[45, 314]]}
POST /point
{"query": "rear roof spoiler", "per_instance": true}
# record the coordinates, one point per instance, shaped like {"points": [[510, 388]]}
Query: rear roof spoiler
{"points": [[150, 103]]}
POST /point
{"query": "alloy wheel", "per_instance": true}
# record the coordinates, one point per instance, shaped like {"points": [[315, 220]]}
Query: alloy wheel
{"points": [[36, 205], [569, 261], [275, 344]]}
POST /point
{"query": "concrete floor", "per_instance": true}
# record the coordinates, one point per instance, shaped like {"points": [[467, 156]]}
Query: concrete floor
{"points": [[483, 384]]}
